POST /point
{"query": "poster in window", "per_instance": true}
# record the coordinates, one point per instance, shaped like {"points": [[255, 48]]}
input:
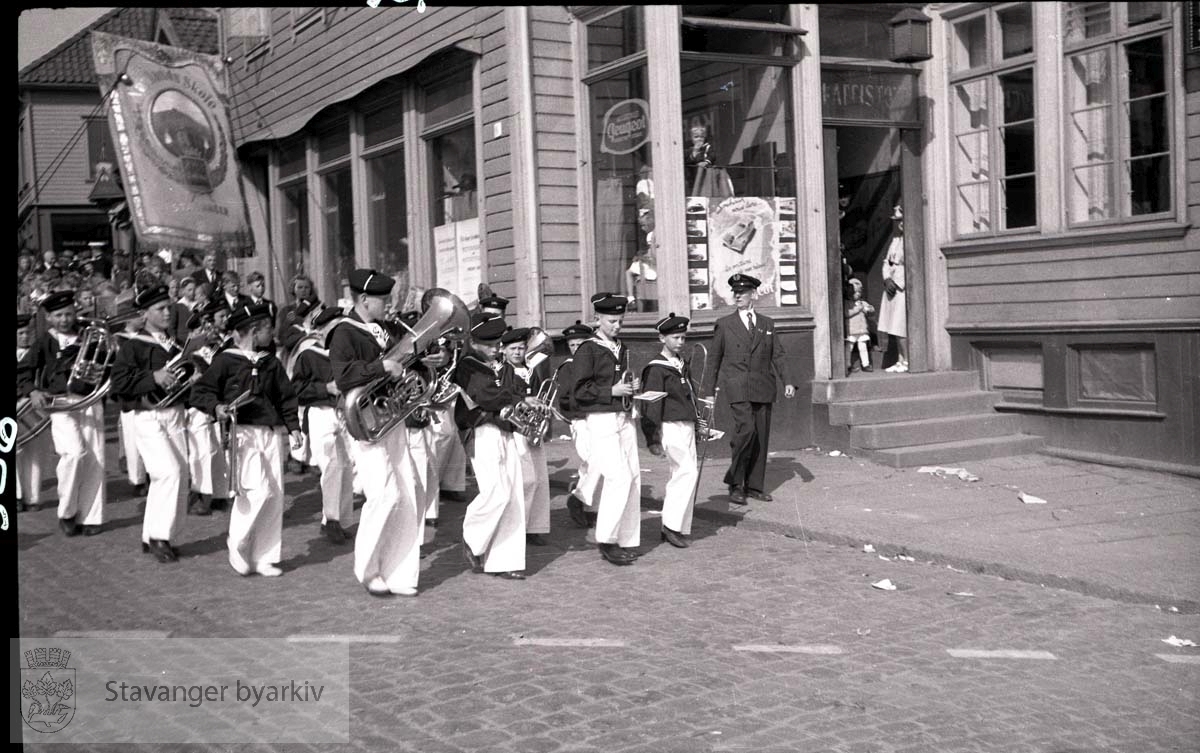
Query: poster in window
{"points": [[469, 262], [750, 235], [445, 245]]}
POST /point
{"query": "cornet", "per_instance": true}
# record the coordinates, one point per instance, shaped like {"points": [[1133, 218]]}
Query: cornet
{"points": [[187, 371]]}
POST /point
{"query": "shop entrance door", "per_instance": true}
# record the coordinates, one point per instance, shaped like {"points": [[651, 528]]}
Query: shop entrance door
{"points": [[869, 171]]}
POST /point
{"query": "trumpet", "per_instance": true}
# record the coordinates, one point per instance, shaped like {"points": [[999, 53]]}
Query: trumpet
{"points": [[373, 409], [230, 433], [635, 384]]}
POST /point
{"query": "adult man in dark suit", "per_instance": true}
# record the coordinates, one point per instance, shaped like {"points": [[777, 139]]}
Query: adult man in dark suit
{"points": [[209, 273], [747, 356]]}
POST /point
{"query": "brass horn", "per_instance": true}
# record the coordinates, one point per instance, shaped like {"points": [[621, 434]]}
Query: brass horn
{"points": [[373, 409], [88, 381]]}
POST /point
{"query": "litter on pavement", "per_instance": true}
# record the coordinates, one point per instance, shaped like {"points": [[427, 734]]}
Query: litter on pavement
{"points": [[835, 454], [1029, 499], [960, 593], [905, 557], [942, 472], [884, 585], [868, 548], [1178, 642]]}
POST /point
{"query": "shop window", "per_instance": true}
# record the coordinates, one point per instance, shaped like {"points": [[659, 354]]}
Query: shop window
{"points": [[626, 256], [295, 228], [1118, 111], [615, 36], [293, 158], [333, 142], [99, 146], [387, 216], [337, 206], [992, 109]]}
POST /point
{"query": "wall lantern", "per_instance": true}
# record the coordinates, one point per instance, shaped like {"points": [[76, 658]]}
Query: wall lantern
{"points": [[910, 36]]}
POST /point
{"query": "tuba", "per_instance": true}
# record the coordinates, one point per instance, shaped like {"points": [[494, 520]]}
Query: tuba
{"points": [[88, 381], [375, 408]]}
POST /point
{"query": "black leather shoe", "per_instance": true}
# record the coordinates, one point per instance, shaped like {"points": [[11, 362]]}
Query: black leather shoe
{"points": [[91, 530], [21, 506], [218, 503], [615, 554], [535, 539], [146, 549], [333, 532], [755, 494], [591, 518], [473, 559], [163, 551], [69, 527], [139, 490], [632, 554], [674, 538], [737, 495], [200, 506], [576, 511], [510, 575], [453, 496]]}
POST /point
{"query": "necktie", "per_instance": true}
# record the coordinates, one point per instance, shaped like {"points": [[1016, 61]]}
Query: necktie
{"points": [[750, 320]]}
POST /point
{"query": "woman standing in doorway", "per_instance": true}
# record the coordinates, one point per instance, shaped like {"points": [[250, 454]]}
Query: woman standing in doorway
{"points": [[893, 320]]}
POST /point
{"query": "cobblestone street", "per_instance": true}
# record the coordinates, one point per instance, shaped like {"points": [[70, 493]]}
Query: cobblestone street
{"points": [[747, 641]]}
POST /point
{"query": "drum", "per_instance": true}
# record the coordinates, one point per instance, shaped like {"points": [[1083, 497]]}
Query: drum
{"points": [[31, 420]]}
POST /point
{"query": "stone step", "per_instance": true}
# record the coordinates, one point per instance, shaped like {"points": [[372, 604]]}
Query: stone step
{"points": [[884, 385], [933, 430], [911, 408], [942, 453]]}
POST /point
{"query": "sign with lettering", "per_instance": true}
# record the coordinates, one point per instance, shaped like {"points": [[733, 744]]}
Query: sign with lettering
{"points": [[869, 94], [626, 127]]}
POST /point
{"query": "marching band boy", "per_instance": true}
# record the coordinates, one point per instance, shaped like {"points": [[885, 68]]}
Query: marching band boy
{"points": [[535, 486], [328, 441], [206, 461], [135, 467], [256, 520], [33, 458], [494, 525], [140, 380], [387, 545], [445, 447], [669, 426], [603, 389], [78, 434], [581, 499]]}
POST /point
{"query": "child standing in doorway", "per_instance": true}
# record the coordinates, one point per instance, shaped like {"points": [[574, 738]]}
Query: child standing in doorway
{"points": [[857, 331]]}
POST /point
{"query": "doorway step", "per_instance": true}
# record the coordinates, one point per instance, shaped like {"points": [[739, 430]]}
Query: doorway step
{"points": [[904, 420]]}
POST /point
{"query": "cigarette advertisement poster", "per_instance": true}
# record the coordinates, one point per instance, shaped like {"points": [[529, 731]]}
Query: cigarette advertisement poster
{"points": [[458, 260], [751, 235]]}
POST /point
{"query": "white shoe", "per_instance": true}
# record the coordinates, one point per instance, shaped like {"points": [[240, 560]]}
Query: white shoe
{"points": [[404, 591], [267, 570], [377, 586], [902, 367]]}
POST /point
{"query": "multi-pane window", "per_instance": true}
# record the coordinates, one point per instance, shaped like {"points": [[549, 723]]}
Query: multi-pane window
{"points": [[1118, 110], [387, 203], [99, 145], [992, 115]]}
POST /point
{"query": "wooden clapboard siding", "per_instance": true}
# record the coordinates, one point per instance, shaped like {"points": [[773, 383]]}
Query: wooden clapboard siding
{"points": [[557, 164], [56, 118], [495, 106], [339, 54]]}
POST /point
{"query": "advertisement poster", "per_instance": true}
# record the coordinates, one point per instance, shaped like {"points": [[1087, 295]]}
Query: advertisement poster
{"points": [[751, 235], [457, 258]]}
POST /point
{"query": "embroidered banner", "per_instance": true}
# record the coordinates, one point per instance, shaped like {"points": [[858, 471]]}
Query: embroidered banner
{"points": [[170, 125]]}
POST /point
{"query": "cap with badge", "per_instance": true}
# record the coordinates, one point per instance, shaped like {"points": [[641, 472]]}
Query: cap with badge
{"points": [[740, 283], [23, 320], [493, 302], [609, 303], [370, 282], [58, 300], [248, 314], [487, 327], [578, 329], [149, 296], [517, 335], [672, 324]]}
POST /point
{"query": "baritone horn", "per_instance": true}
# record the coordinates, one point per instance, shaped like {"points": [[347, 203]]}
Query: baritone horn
{"points": [[373, 409], [532, 419], [89, 378]]}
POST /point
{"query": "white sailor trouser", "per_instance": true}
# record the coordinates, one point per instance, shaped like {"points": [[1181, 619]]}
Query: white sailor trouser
{"points": [[447, 455], [589, 476], [535, 484], [206, 456], [79, 442], [679, 444], [134, 467], [494, 524], [619, 517], [424, 479], [256, 519], [329, 445], [388, 541], [34, 460], [162, 437]]}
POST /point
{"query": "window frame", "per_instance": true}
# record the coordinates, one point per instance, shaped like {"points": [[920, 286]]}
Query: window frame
{"points": [[101, 122], [1114, 41], [995, 66]]}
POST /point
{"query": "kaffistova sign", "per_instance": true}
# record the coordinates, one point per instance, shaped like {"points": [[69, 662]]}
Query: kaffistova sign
{"points": [[626, 127], [170, 125]]}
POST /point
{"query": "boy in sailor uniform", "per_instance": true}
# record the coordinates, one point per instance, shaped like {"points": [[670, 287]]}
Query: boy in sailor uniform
{"points": [[135, 467], [534, 473], [256, 520], [603, 390], [206, 459], [669, 426], [494, 525], [140, 380], [301, 316], [581, 500], [424, 477], [387, 545], [446, 451], [78, 434], [312, 377], [35, 456]]}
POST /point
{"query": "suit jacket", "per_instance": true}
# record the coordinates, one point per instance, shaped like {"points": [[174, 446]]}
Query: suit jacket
{"points": [[745, 364], [201, 277]]}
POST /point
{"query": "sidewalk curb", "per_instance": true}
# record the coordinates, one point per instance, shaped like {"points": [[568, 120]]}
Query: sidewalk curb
{"points": [[977, 566]]}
